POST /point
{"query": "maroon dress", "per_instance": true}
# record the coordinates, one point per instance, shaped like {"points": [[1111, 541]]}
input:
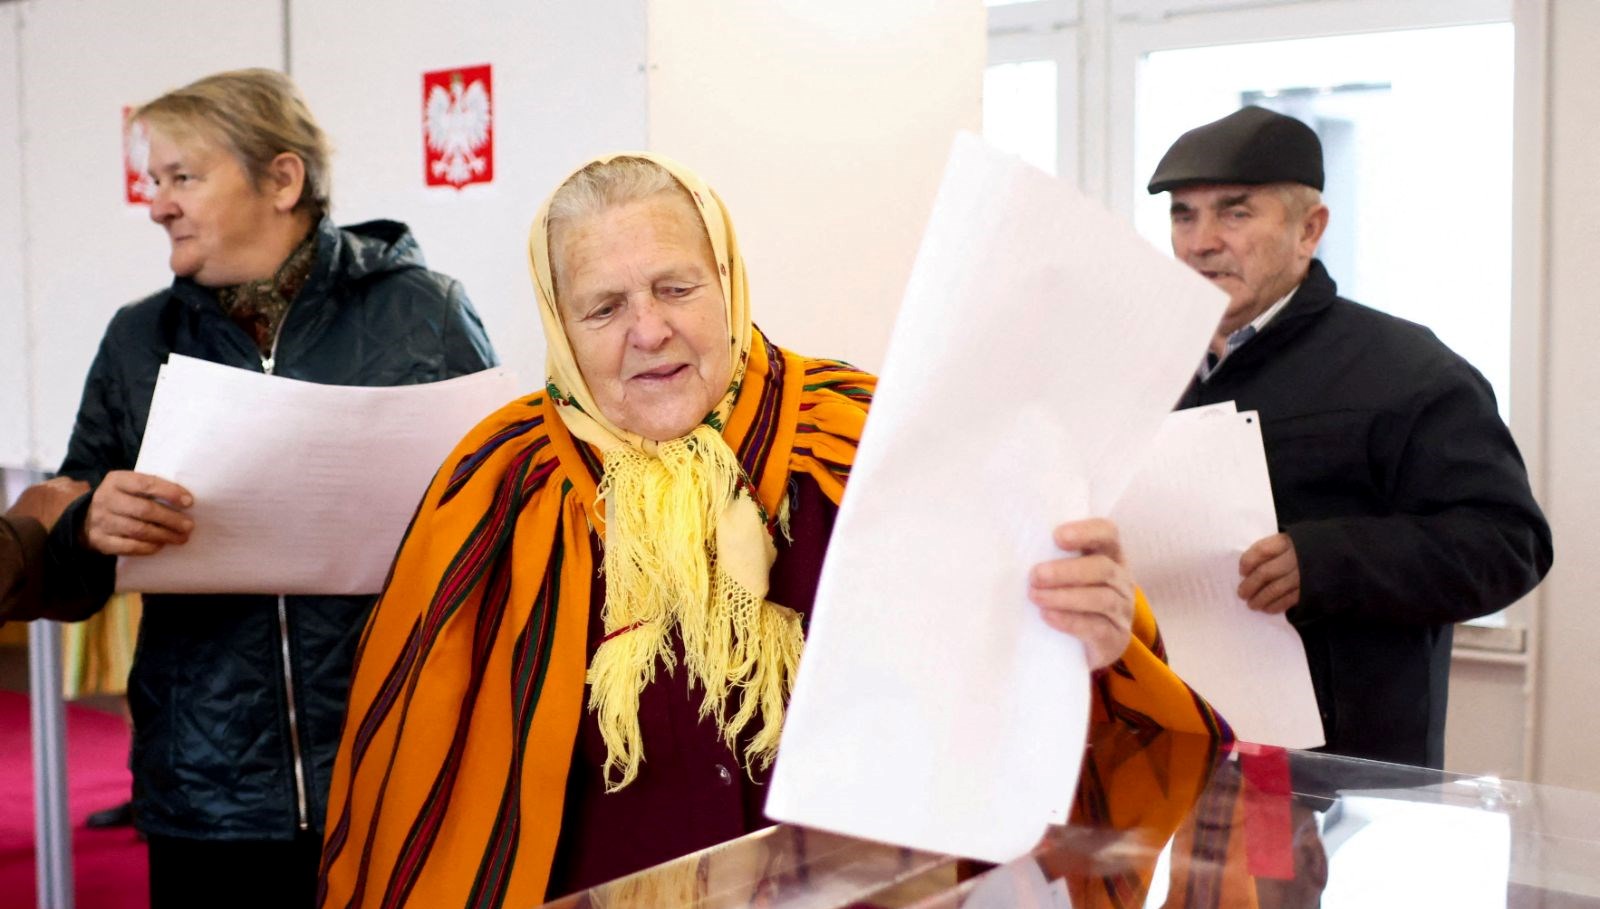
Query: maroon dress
{"points": [[692, 790]]}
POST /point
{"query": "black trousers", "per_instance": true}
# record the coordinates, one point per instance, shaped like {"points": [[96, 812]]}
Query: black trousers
{"points": [[188, 873]]}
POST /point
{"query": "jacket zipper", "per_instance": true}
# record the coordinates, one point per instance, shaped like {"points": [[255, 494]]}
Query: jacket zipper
{"points": [[268, 364], [294, 721]]}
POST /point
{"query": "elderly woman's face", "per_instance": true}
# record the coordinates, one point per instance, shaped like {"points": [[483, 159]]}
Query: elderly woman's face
{"points": [[641, 301], [212, 211]]}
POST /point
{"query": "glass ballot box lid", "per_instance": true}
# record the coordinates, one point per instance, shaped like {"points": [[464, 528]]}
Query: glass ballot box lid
{"points": [[1170, 820]]}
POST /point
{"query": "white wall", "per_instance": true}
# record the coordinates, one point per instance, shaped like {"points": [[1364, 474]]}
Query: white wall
{"points": [[1484, 729], [824, 125], [88, 253], [15, 399], [1569, 670], [569, 82]]}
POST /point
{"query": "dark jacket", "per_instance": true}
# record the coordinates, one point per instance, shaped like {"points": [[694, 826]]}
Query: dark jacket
{"points": [[1406, 499], [225, 691]]}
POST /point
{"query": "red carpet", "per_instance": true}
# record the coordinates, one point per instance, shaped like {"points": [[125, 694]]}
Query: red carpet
{"points": [[108, 865]]}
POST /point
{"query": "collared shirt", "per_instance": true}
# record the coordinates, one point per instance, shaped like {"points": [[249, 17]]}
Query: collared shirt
{"points": [[1210, 362]]}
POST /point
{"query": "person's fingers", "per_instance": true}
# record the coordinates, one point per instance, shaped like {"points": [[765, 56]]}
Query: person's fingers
{"points": [[116, 535], [1082, 571], [132, 495], [1277, 596], [1268, 573], [1102, 601], [152, 487], [145, 510], [130, 528], [1256, 580], [123, 520], [1263, 550], [1090, 536], [1103, 641], [1282, 604]]}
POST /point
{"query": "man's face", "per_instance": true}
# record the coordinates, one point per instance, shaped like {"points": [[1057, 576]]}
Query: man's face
{"points": [[1245, 239]]}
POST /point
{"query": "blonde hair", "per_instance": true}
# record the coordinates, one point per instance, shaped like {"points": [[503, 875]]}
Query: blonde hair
{"points": [[258, 114]]}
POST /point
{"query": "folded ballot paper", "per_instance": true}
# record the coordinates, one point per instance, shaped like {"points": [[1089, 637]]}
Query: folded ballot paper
{"points": [[298, 487], [1038, 348], [1201, 498]]}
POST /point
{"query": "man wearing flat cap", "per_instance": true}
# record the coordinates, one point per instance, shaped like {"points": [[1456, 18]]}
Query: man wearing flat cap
{"points": [[1403, 504]]}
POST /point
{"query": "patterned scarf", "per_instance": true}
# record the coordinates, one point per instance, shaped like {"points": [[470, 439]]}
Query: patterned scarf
{"points": [[259, 307]]}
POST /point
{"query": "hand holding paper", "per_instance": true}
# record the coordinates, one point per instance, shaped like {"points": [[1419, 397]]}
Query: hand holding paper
{"points": [[1271, 573], [1089, 592], [137, 514], [935, 708], [297, 487], [1202, 498]]}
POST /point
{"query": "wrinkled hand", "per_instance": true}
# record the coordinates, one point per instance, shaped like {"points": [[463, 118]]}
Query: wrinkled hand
{"points": [[137, 514], [1088, 595], [45, 501], [1271, 573]]}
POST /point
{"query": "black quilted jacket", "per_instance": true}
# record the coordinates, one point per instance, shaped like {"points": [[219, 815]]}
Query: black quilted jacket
{"points": [[237, 700]]}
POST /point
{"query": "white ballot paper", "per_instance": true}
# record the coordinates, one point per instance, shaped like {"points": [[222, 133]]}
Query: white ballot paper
{"points": [[1039, 344], [1201, 499], [298, 487]]}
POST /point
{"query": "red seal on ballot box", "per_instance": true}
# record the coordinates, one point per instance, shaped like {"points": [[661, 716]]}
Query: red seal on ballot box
{"points": [[458, 126]]}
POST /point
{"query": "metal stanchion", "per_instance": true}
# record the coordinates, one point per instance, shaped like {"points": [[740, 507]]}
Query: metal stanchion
{"points": [[52, 828]]}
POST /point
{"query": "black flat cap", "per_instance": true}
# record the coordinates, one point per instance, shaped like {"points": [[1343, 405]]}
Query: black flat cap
{"points": [[1251, 145]]}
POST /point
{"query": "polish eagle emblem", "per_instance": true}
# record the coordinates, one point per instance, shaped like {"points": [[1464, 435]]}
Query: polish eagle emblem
{"points": [[136, 162], [458, 120]]}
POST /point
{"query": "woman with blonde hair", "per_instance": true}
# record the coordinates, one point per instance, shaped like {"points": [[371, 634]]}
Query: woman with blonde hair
{"points": [[236, 699]]}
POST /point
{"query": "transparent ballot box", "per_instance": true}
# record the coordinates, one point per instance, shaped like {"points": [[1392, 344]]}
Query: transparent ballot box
{"points": [[1164, 819]]}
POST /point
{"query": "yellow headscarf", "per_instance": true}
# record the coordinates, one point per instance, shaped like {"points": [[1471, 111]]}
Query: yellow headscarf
{"points": [[687, 547]]}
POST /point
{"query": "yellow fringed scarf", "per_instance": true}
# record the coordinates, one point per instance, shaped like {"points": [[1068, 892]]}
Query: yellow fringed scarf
{"points": [[681, 557]]}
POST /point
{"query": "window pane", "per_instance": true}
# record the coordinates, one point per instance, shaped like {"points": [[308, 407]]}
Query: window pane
{"points": [[1416, 133], [1019, 110]]}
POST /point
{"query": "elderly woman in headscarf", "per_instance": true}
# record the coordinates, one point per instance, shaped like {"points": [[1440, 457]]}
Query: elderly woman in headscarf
{"points": [[581, 664]]}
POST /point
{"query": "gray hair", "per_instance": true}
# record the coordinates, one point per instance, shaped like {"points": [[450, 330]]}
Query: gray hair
{"points": [[601, 186], [608, 184], [1298, 199]]}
